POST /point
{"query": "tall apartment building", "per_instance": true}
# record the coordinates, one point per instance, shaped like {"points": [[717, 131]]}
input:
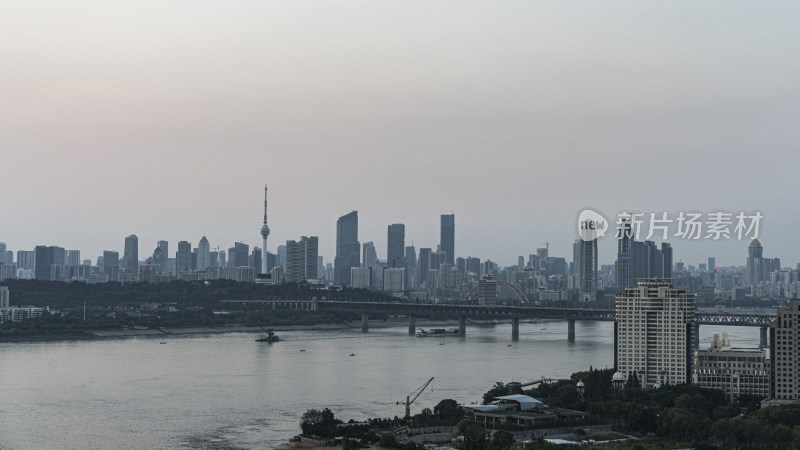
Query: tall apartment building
{"points": [[588, 270], [654, 332], [755, 263], [785, 347], [130, 259], [734, 371], [396, 245], [348, 249], [301, 259], [447, 237]]}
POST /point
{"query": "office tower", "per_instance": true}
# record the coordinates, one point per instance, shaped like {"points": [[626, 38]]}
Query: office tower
{"points": [[487, 291], [411, 267], [653, 323], [256, 260], [264, 235], [393, 279], [755, 263], [159, 260], [666, 255], [239, 255], [164, 246], [183, 257], [245, 274], [281, 254], [361, 277], [447, 237], [3, 254], [223, 258], [348, 249], [73, 257], [461, 264], [623, 267], [271, 258], [396, 245], [301, 259], [588, 270], [203, 255], [25, 259], [446, 279], [370, 254], [130, 259], [521, 263], [712, 264], [784, 343], [147, 273], [734, 371], [424, 264], [278, 275], [436, 258], [44, 257], [474, 265], [111, 264]]}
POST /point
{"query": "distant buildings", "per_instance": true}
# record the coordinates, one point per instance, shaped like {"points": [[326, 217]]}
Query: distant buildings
{"points": [[653, 332], [369, 254], [396, 245], [301, 259], [183, 257], [447, 239], [130, 259], [203, 254], [588, 270], [348, 249]]}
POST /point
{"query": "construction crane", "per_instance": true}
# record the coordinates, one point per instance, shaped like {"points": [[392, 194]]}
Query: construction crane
{"points": [[415, 394]]}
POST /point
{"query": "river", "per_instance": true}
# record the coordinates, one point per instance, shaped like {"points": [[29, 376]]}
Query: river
{"points": [[226, 391]]}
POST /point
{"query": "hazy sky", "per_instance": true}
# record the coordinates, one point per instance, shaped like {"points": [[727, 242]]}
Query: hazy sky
{"points": [[166, 118]]}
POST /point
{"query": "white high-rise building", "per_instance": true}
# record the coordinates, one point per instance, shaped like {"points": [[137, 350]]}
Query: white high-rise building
{"points": [[361, 277], [394, 279], [654, 332]]}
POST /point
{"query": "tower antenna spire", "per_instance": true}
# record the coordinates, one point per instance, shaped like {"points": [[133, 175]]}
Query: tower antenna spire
{"points": [[265, 204]]}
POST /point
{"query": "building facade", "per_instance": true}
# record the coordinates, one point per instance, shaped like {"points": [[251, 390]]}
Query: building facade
{"points": [[447, 237], [348, 249], [785, 351], [301, 259], [654, 332], [734, 371]]}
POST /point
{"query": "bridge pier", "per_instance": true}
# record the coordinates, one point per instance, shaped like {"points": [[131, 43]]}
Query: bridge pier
{"points": [[462, 325], [412, 324], [364, 322], [515, 329], [571, 330], [763, 343]]}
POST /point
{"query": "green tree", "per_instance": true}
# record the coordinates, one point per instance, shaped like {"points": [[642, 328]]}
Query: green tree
{"points": [[501, 440]]}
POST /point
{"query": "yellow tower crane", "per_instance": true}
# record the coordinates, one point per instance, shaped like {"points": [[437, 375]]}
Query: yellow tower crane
{"points": [[415, 394]]}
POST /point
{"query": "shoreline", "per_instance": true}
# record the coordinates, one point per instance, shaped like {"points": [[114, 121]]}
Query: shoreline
{"points": [[109, 333]]}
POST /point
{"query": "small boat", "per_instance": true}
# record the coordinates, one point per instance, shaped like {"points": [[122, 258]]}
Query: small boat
{"points": [[438, 332], [441, 343], [302, 349], [352, 354], [163, 341], [269, 337], [509, 345]]}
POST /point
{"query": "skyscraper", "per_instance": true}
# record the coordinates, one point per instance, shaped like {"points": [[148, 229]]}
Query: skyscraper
{"points": [[281, 256], [424, 264], [624, 263], [183, 258], [130, 259], [301, 259], [203, 254], [411, 267], [239, 255], [264, 235], [159, 260], [348, 249], [654, 332], [588, 270], [755, 263], [785, 350], [712, 264], [370, 255], [447, 237], [396, 245], [111, 264]]}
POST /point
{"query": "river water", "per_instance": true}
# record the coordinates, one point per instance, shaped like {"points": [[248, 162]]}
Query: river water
{"points": [[226, 391]]}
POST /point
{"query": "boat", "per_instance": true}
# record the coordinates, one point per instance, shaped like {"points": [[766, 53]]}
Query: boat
{"points": [[352, 354], [163, 341], [269, 337], [438, 332]]}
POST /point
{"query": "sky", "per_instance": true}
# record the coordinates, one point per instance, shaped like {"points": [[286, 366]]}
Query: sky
{"points": [[166, 119]]}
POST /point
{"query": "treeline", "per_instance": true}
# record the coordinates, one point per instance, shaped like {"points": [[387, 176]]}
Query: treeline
{"points": [[185, 293]]}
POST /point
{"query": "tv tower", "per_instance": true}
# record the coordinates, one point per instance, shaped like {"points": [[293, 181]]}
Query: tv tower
{"points": [[264, 235]]}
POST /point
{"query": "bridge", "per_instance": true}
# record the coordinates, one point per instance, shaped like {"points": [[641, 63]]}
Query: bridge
{"points": [[512, 313]]}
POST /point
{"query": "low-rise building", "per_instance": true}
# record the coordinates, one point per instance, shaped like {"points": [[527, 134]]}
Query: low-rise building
{"points": [[734, 371]]}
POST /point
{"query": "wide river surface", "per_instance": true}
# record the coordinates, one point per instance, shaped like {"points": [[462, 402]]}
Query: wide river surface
{"points": [[226, 391]]}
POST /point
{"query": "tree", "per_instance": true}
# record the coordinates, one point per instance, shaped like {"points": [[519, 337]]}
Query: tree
{"points": [[474, 435], [633, 381], [388, 440], [501, 440], [498, 390], [448, 410]]}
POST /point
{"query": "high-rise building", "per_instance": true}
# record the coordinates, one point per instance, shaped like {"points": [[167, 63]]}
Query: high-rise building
{"points": [[73, 257], [256, 260], [784, 343], [164, 246], [396, 245], [654, 337], [25, 259], [624, 265], [301, 259], [281, 255], [264, 235], [447, 237], [130, 259], [46, 259], [370, 254], [111, 264], [666, 255], [348, 249], [735, 371], [755, 263], [424, 264], [203, 254], [361, 277], [411, 267], [183, 258], [712, 264], [393, 279], [575, 268], [474, 265], [159, 260], [487, 291], [239, 255], [588, 270]]}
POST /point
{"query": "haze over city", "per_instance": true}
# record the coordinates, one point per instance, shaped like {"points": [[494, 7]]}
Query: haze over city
{"points": [[165, 120]]}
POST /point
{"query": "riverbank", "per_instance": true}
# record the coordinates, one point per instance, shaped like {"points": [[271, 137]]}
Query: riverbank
{"points": [[117, 333]]}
